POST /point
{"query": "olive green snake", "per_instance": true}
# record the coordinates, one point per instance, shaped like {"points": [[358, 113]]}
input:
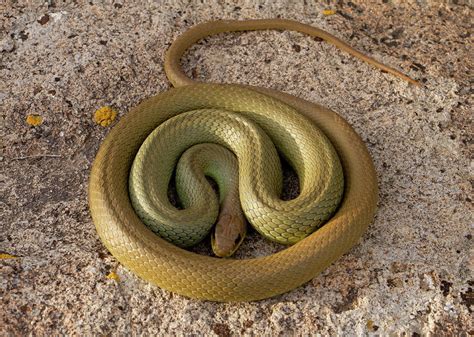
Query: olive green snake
{"points": [[338, 186]]}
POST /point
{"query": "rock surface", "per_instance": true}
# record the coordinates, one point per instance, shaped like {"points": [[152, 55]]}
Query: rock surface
{"points": [[412, 272]]}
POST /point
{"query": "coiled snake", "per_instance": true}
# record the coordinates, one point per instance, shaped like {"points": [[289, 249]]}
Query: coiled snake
{"points": [[136, 162]]}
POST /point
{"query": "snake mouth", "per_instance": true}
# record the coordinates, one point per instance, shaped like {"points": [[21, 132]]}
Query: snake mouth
{"points": [[225, 254]]}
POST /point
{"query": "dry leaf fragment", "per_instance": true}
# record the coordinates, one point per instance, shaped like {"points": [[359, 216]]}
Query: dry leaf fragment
{"points": [[5, 256], [104, 116], [113, 276], [328, 12], [34, 120]]}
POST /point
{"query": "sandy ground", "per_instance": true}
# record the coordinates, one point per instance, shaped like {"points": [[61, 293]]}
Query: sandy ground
{"points": [[409, 275]]}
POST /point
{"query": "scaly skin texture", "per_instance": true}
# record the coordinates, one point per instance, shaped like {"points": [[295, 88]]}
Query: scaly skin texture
{"points": [[198, 276], [247, 127]]}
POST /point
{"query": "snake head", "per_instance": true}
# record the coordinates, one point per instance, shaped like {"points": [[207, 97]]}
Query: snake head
{"points": [[229, 233]]}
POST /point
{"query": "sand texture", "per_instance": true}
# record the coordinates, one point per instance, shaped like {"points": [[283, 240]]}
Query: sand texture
{"points": [[410, 275]]}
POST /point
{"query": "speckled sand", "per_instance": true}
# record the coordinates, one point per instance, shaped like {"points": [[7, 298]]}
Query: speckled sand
{"points": [[409, 275]]}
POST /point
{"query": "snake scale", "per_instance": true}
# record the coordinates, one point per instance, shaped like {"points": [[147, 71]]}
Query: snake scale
{"points": [[338, 186]]}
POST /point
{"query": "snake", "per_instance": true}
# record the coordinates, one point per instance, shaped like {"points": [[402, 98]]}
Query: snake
{"points": [[235, 135]]}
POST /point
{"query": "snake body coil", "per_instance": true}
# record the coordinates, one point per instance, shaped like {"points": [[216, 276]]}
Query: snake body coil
{"points": [[308, 135]]}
